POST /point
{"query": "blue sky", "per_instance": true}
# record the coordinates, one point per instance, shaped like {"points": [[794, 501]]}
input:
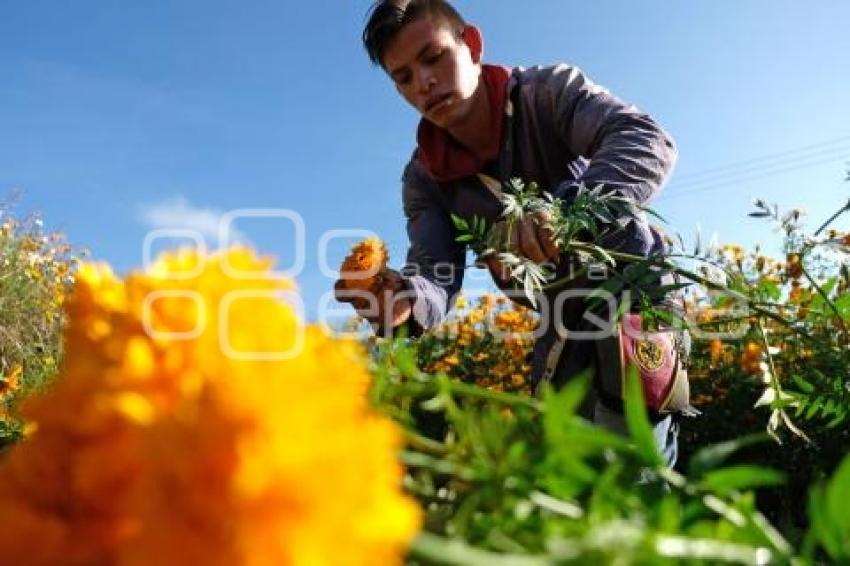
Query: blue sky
{"points": [[119, 117]]}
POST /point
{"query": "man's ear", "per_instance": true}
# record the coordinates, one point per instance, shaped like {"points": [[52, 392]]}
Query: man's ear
{"points": [[472, 38]]}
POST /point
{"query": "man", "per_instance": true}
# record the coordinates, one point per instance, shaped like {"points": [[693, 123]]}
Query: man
{"points": [[482, 125]]}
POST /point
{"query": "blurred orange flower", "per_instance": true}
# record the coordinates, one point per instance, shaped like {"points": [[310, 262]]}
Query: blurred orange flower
{"points": [[152, 449]]}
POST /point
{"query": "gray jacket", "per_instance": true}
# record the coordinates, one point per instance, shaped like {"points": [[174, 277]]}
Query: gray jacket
{"points": [[561, 129]]}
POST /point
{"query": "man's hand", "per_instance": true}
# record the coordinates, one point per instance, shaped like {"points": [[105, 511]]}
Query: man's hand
{"points": [[533, 237], [384, 303], [537, 238]]}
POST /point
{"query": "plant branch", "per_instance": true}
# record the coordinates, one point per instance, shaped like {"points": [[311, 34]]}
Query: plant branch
{"points": [[832, 218]]}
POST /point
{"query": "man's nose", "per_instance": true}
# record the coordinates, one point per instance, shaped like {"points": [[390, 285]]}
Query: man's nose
{"points": [[426, 81]]}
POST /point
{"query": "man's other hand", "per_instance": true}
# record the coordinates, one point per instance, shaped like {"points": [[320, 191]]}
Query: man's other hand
{"points": [[386, 302]]}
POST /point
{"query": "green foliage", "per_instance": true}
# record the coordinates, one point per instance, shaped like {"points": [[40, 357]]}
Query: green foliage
{"points": [[830, 518], [35, 275], [578, 229], [508, 479]]}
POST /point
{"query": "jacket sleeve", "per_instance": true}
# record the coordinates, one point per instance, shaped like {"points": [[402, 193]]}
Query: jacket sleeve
{"points": [[628, 152], [435, 261]]}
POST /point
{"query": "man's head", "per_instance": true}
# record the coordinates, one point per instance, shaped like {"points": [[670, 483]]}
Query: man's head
{"points": [[388, 17], [430, 53]]}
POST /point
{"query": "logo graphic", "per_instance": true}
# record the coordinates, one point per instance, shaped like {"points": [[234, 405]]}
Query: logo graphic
{"points": [[649, 355]]}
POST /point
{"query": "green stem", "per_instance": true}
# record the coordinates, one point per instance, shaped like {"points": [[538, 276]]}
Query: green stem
{"points": [[471, 391], [774, 384], [774, 380], [826, 299], [564, 281], [665, 263], [425, 444], [437, 465], [832, 218], [434, 549]]}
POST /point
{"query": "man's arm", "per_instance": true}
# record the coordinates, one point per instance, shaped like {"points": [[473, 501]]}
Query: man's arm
{"points": [[435, 261], [628, 151]]}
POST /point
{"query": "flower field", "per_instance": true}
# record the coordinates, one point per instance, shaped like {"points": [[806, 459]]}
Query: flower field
{"points": [[144, 423]]}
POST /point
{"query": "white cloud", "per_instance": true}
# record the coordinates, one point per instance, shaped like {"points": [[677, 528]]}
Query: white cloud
{"points": [[177, 213]]}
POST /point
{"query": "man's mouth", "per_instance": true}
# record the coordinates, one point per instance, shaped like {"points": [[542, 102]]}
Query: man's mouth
{"points": [[438, 102]]}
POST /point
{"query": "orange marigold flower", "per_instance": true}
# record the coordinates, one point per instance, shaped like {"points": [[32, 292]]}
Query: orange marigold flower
{"points": [[751, 358], [796, 295], [244, 442], [12, 381], [716, 350], [795, 267], [366, 261]]}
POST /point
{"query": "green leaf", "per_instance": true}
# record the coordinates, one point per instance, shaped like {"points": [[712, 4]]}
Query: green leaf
{"points": [[821, 527], [638, 422], [610, 287], [653, 213], [839, 418], [460, 223], [813, 409], [818, 301], [698, 243], [828, 407], [770, 289], [528, 290], [742, 477], [829, 519], [712, 456], [804, 385], [842, 304], [565, 401], [838, 497]]}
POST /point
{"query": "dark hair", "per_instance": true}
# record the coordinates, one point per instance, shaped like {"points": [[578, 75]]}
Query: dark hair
{"points": [[387, 17]]}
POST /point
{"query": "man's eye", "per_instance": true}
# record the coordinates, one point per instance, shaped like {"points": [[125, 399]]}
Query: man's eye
{"points": [[434, 57]]}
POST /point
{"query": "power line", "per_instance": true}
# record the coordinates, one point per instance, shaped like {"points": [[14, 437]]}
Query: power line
{"points": [[767, 157], [721, 174], [697, 188]]}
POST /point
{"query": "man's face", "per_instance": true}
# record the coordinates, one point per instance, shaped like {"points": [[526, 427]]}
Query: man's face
{"points": [[433, 69]]}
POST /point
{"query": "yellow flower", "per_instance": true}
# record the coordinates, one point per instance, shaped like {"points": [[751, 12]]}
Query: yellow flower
{"points": [[492, 338], [12, 381], [218, 448], [732, 253]]}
